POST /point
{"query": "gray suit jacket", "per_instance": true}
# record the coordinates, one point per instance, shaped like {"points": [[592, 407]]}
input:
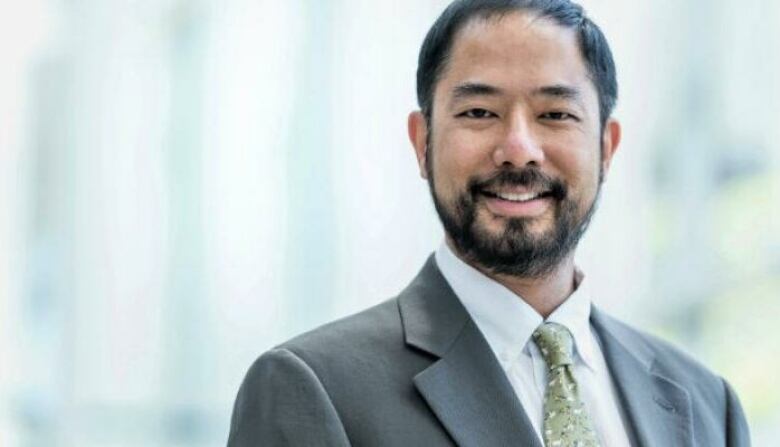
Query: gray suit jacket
{"points": [[416, 371]]}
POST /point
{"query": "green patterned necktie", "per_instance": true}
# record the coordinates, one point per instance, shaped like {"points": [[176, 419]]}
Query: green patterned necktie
{"points": [[566, 421]]}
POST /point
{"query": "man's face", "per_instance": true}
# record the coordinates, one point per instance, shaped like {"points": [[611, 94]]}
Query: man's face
{"points": [[514, 152]]}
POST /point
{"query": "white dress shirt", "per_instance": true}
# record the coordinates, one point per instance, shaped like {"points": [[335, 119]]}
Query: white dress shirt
{"points": [[507, 323]]}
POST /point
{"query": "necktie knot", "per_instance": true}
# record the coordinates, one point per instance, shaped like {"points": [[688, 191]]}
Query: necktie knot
{"points": [[556, 344]]}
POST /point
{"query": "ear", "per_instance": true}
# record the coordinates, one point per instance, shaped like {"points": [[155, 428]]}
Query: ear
{"points": [[609, 144], [418, 136]]}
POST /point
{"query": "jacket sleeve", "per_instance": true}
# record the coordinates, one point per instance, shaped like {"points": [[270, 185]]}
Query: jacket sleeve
{"points": [[282, 403], [737, 432]]}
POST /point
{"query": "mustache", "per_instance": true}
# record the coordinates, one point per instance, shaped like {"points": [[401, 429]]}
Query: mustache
{"points": [[531, 178]]}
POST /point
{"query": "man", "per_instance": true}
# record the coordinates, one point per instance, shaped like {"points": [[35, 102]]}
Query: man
{"points": [[495, 342]]}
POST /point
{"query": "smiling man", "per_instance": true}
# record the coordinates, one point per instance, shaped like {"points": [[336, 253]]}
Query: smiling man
{"points": [[495, 342]]}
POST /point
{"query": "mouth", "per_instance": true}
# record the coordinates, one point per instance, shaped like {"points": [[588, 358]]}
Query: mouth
{"points": [[516, 196], [517, 203]]}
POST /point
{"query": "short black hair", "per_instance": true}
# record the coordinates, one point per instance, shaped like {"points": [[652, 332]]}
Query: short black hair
{"points": [[438, 43]]}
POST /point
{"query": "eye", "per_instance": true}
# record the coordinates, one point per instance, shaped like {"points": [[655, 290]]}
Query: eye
{"points": [[558, 116], [477, 114]]}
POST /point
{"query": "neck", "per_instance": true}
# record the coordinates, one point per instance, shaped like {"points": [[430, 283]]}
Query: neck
{"points": [[544, 294]]}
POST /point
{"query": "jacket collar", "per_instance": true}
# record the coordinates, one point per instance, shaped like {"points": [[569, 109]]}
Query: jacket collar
{"points": [[468, 391]]}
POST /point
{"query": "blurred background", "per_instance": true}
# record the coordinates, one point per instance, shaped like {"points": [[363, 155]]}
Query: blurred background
{"points": [[185, 183]]}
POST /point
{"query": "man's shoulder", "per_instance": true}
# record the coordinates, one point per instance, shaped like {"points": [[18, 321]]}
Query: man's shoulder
{"points": [[707, 395], [369, 328], [313, 385], [356, 359], [368, 343], [660, 355]]}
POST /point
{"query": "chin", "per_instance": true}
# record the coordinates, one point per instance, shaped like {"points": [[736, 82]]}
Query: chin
{"points": [[537, 228]]}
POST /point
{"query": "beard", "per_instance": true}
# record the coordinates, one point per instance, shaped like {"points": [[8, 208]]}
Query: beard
{"points": [[516, 251]]}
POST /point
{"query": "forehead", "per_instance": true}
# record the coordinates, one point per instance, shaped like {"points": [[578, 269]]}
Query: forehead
{"points": [[517, 51]]}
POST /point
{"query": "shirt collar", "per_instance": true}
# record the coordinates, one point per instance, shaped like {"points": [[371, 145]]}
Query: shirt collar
{"points": [[574, 313], [506, 320]]}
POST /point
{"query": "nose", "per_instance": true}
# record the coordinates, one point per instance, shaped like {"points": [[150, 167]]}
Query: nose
{"points": [[518, 147]]}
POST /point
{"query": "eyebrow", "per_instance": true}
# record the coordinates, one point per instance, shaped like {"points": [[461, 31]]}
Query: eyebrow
{"points": [[560, 91], [471, 89]]}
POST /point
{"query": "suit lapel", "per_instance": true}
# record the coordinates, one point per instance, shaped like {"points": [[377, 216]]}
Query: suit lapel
{"points": [[657, 408], [465, 387], [470, 394]]}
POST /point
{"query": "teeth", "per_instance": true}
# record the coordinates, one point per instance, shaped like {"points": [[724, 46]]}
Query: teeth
{"points": [[518, 197]]}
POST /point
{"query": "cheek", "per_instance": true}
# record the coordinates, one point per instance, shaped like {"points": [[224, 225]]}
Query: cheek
{"points": [[580, 146], [464, 149], [578, 165], [457, 158]]}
